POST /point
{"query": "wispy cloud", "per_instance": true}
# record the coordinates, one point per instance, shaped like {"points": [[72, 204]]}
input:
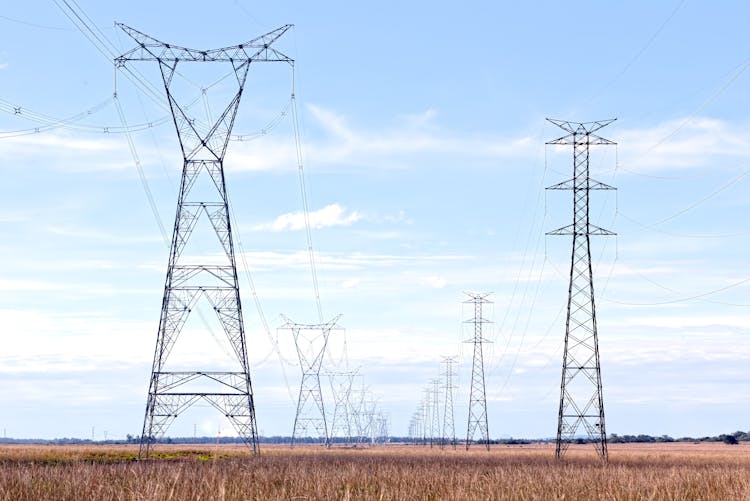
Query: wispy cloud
{"points": [[417, 135], [435, 282], [350, 261], [73, 152], [338, 142], [95, 234], [683, 143], [329, 216]]}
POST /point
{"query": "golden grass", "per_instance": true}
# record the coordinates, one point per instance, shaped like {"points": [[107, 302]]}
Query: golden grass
{"points": [[653, 471]]}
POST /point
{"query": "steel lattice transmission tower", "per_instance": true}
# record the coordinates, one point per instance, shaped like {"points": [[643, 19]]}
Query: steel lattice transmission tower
{"points": [[187, 283], [311, 341], [427, 430], [341, 390], [449, 428], [435, 426], [581, 402], [478, 395]]}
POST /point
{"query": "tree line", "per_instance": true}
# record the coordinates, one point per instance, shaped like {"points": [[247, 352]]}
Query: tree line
{"points": [[614, 438]]}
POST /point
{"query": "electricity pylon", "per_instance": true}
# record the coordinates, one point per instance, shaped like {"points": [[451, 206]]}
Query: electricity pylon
{"points": [[203, 150], [311, 341], [427, 416], [418, 423], [436, 434], [478, 395], [449, 428], [341, 389], [581, 402]]}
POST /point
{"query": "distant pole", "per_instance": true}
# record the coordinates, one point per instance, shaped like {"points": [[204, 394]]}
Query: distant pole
{"points": [[581, 401], [478, 395]]}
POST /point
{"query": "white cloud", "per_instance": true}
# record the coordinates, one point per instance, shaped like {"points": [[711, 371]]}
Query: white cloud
{"points": [[30, 285], [425, 118], [328, 216], [351, 283], [435, 282]]}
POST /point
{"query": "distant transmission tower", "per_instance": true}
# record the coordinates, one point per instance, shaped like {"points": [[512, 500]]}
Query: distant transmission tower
{"points": [[449, 428], [341, 389], [203, 149], [478, 395], [436, 435], [428, 416], [581, 402], [311, 341]]}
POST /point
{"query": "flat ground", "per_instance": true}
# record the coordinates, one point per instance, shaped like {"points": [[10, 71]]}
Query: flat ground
{"points": [[654, 471]]}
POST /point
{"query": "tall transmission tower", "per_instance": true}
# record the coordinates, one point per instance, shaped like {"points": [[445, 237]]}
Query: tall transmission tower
{"points": [[449, 428], [188, 283], [311, 341], [478, 395], [581, 402]]}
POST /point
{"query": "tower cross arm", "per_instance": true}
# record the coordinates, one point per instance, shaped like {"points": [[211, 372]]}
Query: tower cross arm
{"points": [[581, 132], [150, 49], [571, 230], [581, 138], [570, 185], [330, 325], [581, 127]]}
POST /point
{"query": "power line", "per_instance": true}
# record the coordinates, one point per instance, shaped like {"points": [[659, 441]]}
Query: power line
{"points": [[640, 51], [34, 25], [305, 206], [695, 204], [684, 299]]}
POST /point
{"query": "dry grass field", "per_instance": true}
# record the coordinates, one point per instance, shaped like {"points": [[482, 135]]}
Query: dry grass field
{"points": [[654, 471]]}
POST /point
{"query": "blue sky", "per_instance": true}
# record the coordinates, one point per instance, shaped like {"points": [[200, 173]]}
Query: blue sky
{"points": [[423, 132]]}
